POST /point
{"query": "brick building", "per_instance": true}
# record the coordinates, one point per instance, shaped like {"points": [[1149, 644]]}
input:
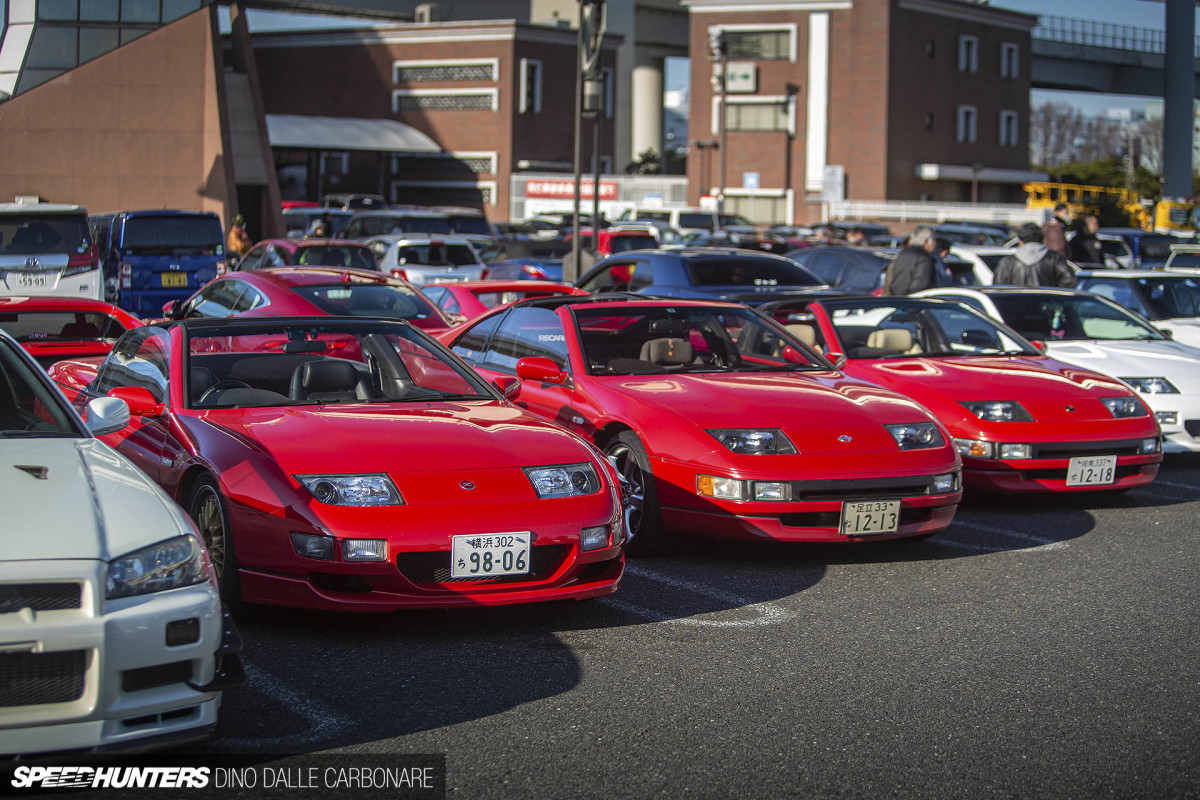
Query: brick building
{"points": [[884, 99]]}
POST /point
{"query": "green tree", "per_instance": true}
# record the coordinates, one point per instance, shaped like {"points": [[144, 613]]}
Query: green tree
{"points": [[647, 162]]}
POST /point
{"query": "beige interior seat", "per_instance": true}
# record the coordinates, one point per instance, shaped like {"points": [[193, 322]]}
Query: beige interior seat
{"points": [[898, 340], [804, 332], [668, 352]]}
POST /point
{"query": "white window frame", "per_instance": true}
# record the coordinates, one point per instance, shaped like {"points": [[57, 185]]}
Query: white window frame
{"points": [[335, 162], [398, 93], [527, 104], [1010, 60], [445, 62], [458, 155], [1010, 131], [968, 124], [968, 53], [761, 99], [791, 28]]}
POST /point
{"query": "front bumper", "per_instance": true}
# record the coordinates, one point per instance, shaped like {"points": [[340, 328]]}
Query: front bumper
{"points": [[1050, 474], [101, 676]]}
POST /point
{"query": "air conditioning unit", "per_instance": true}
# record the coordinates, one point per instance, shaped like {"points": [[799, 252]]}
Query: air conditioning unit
{"points": [[425, 12]]}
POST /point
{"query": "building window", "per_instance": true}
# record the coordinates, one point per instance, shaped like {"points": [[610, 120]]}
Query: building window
{"points": [[1009, 60], [931, 48], [757, 42], [966, 123], [1008, 129], [756, 114], [968, 54], [531, 87], [464, 69], [928, 120], [479, 163], [335, 163], [444, 100]]}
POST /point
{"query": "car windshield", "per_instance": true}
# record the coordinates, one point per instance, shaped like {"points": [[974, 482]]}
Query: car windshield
{"points": [[32, 327], [749, 271], [620, 244], [470, 224], [374, 226], [29, 405], [1070, 317], [651, 340], [43, 234], [299, 220], [334, 255], [1171, 298], [1185, 259], [367, 300], [436, 254], [910, 328], [696, 220], [172, 235], [1155, 247], [316, 363]]}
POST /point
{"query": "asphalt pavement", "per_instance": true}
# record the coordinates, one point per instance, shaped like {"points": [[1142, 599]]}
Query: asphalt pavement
{"points": [[1042, 647]]}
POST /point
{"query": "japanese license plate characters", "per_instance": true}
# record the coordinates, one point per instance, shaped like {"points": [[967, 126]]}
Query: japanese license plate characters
{"points": [[174, 278], [489, 554], [1092, 471], [863, 517]]}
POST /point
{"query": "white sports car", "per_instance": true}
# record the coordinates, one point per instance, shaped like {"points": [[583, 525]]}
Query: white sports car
{"points": [[1091, 332], [112, 633]]}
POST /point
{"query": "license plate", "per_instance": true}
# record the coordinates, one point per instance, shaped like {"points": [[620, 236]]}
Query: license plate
{"points": [[446, 279], [1092, 471], [863, 517], [488, 554], [32, 281], [174, 278]]}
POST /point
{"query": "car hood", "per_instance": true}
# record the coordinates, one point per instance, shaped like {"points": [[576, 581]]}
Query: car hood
{"points": [[1186, 330], [89, 502], [1134, 359], [398, 438], [1045, 387]]}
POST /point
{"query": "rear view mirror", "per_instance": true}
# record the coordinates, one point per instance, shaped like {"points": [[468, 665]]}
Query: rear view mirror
{"points": [[673, 328]]}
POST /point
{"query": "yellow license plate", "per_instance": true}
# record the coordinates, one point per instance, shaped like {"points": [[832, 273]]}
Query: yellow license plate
{"points": [[174, 278]]}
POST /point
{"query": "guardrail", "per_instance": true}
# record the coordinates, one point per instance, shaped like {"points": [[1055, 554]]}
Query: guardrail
{"points": [[1103, 34], [919, 211]]}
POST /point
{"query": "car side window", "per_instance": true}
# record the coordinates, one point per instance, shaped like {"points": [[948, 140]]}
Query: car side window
{"points": [[248, 298], [138, 359], [215, 300], [622, 276], [527, 332], [1120, 292], [253, 259], [827, 267], [469, 346]]}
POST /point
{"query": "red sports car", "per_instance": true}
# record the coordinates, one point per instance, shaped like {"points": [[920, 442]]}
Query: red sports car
{"points": [[311, 291], [469, 299], [1022, 421], [53, 328], [304, 252], [722, 422], [396, 478]]}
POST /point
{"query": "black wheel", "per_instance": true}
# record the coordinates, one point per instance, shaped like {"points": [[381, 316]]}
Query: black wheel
{"points": [[643, 518], [208, 510], [220, 387]]}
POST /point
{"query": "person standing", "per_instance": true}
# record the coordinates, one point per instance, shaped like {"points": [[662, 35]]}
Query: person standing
{"points": [[1033, 264], [915, 268], [238, 241], [1054, 232], [1085, 247]]}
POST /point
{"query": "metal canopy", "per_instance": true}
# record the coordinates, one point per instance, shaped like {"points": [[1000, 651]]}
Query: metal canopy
{"points": [[347, 133]]}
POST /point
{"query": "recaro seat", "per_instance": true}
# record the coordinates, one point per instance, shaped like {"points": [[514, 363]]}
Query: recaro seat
{"points": [[331, 380], [668, 352]]}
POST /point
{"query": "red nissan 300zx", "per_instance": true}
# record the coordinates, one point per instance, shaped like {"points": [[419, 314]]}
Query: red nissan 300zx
{"points": [[354, 464]]}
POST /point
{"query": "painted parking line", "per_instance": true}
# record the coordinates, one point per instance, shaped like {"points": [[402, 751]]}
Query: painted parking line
{"points": [[322, 720], [767, 613], [1038, 543], [1025, 537], [1160, 482]]}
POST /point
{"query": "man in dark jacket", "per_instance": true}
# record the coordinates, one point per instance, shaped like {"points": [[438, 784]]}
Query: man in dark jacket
{"points": [[1054, 232], [915, 268], [1032, 264], [1085, 247]]}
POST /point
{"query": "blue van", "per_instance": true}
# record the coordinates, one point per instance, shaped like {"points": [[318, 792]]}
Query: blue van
{"points": [[150, 258]]}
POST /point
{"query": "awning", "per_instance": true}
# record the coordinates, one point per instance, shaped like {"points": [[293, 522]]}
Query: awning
{"points": [[346, 133]]}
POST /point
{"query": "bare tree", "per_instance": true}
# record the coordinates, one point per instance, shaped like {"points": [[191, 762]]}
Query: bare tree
{"points": [[1054, 129], [1151, 134]]}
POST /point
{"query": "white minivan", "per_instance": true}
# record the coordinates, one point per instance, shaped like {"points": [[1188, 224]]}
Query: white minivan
{"points": [[47, 249]]}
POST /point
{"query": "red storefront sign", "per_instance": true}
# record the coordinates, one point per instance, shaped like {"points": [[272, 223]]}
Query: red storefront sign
{"points": [[566, 189]]}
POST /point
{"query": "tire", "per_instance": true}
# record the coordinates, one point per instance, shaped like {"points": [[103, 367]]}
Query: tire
{"points": [[643, 518], [209, 510]]}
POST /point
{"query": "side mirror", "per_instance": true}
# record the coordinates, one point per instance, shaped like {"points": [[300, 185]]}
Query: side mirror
{"points": [[543, 370], [107, 415], [840, 361], [173, 309], [1167, 332], [794, 356], [508, 386], [1039, 344], [139, 400]]}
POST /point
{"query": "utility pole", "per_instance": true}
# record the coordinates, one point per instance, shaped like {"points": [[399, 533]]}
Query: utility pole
{"points": [[589, 99], [716, 47]]}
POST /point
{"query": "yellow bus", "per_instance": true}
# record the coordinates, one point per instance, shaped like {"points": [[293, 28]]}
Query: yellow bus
{"points": [[1081, 197]]}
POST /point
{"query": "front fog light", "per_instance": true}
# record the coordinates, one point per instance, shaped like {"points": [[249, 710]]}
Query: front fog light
{"points": [[307, 545], [1167, 417], [363, 549], [975, 448], [1152, 445], [943, 484], [1016, 451], [593, 538], [772, 490], [720, 488]]}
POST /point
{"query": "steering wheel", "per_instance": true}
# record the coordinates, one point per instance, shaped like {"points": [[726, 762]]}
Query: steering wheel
{"points": [[221, 386]]}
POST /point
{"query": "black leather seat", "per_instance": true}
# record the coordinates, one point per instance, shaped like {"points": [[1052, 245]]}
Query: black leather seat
{"points": [[332, 380]]}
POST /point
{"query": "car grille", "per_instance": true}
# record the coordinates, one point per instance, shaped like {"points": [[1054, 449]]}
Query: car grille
{"points": [[39, 596], [1047, 450], [863, 489], [1192, 426], [544, 559], [34, 679]]}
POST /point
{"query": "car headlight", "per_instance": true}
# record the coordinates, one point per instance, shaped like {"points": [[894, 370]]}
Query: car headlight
{"points": [[1124, 406], [998, 410], [352, 490], [754, 441], [916, 435], [167, 565], [1152, 385], [568, 480]]}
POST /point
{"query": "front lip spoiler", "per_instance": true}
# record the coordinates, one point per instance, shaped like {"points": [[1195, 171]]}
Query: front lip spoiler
{"points": [[229, 673]]}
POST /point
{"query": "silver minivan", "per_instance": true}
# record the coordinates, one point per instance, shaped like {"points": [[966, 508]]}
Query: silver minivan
{"points": [[46, 249]]}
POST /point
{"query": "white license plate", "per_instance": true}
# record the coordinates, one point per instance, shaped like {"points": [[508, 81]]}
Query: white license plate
{"points": [[447, 279], [863, 517], [484, 555], [33, 281], [1092, 471]]}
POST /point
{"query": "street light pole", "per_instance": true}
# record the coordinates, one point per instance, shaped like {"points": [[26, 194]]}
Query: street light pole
{"points": [[716, 45], [588, 99]]}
